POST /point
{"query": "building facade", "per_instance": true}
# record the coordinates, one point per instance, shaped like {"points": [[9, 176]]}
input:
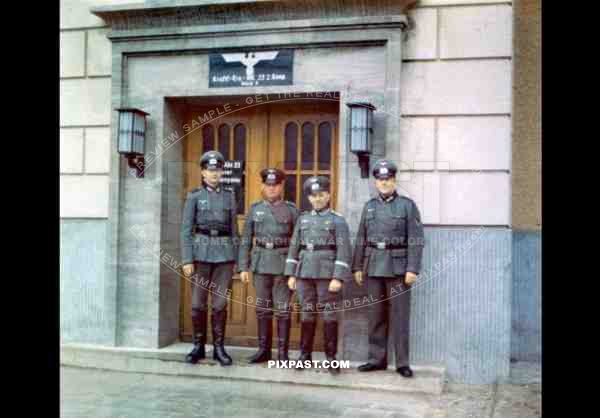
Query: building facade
{"points": [[455, 84]]}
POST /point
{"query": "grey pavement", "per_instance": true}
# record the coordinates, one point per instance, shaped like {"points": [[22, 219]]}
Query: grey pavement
{"points": [[102, 393]]}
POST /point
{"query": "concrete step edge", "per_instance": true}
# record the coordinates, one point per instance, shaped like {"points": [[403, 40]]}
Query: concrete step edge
{"points": [[428, 380]]}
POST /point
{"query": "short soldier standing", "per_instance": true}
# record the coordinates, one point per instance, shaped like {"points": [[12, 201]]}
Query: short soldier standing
{"points": [[266, 236], [388, 251], [209, 244], [318, 262]]}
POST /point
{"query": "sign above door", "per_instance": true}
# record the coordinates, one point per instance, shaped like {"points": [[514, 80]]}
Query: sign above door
{"points": [[251, 68]]}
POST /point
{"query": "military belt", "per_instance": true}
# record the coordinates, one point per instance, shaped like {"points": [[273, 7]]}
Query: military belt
{"points": [[312, 247], [270, 245], [386, 246], [211, 232]]}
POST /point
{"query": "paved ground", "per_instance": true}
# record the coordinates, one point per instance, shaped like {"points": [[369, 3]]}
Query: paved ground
{"points": [[519, 397], [95, 393]]}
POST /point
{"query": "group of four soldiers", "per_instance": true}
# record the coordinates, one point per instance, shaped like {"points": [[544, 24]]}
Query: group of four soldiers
{"points": [[309, 252]]}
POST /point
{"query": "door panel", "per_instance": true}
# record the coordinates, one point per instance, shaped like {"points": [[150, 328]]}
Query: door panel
{"points": [[239, 135], [295, 135], [301, 139]]}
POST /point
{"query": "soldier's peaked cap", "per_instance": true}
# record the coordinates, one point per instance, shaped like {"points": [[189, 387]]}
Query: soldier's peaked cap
{"points": [[384, 169], [272, 176], [212, 160], [316, 184]]}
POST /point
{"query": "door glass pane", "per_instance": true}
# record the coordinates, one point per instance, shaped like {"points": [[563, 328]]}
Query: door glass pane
{"points": [[291, 146], [208, 138], [239, 147], [224, 140], [325, 146], [304, 203], [289, 191], [308, 146]]}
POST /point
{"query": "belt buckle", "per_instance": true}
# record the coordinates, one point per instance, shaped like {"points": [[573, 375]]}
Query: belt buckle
{"points": [[381, 245], [214, 232], [269, 245], [310, 246]]}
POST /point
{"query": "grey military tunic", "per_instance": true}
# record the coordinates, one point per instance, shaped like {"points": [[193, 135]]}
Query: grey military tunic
{"points": [[209, 236], [389, 243], [320, 251], [263, 250], [209, 226]]}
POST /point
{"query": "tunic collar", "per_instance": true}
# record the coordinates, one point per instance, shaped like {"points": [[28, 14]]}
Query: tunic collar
{"points": [[210, 188], [321, 212], [389, 198], [274, 203]]}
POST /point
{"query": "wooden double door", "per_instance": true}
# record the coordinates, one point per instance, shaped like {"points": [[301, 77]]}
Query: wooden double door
{"points": [[299, 138]]}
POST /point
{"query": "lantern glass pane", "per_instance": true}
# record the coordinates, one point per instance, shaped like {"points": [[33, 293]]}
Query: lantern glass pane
{"points": [[125, 134], [358, 140], [138, 133]]}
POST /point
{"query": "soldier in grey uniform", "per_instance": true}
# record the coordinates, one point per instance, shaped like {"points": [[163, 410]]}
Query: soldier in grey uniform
{"points": [[318, 262], [266, 237], [209, 237], [388, 251]]}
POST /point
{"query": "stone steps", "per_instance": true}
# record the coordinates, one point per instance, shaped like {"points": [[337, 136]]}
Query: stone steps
{"points": [[428, 379]]}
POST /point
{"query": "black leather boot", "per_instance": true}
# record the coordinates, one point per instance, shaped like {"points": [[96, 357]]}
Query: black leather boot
{"points": [[405, 371], [283, 339], [198, 337], [219, 320], [307, 336], [331, 334], [265, 338]]}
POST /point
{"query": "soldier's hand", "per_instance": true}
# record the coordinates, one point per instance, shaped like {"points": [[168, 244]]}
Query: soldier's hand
{"points": [[245, 277], [410, 277], [335, 285], [292, 283], [358, 277], [188, 269]]}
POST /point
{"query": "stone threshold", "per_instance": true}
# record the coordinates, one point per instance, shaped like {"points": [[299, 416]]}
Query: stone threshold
{"points": [[428, 379]]}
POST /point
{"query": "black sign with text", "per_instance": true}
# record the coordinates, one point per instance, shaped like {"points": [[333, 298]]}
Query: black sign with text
{"points": [[233, 179], [252, 68]]}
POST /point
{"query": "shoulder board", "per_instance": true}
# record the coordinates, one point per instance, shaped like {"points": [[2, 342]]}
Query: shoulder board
{"points": [[291, 204], [194, 191], [337, 213], [258, 202], [405, 198]]}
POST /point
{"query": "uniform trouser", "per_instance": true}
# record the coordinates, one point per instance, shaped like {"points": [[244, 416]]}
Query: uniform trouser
{"points": [[392, 305], [315, 297], [214, 278], [272, 296]]}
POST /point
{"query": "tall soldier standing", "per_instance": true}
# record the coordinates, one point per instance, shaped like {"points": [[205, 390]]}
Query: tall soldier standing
{"points": [[388, 250], [267, 233], [209, 237], [318, 262]]}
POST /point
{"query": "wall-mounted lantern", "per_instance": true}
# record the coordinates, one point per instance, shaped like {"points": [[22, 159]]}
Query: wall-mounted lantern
{"points": [[360, 133], [132, 137]]}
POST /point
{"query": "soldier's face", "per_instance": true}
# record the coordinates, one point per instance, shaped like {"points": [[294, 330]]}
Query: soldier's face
{"points": [[272, 191], [319, 200], [212, 177], [386, 186]]}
